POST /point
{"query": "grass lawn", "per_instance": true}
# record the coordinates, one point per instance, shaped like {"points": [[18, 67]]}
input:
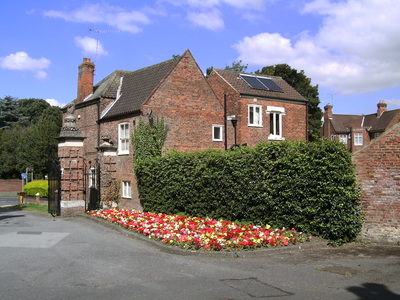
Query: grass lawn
{"points": [[30, 207]]}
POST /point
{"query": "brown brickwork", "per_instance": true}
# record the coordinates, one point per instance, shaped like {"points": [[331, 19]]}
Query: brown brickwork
{"points": [[10, 185], [378, 173]]}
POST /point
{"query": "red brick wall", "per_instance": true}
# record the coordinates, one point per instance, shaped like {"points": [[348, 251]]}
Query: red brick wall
{"points": [[10, 185], [378, 173], [72, 179], [189, 107], [119, 167], [294, 123]]}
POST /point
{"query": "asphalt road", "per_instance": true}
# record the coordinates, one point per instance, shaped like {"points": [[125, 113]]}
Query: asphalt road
{"points": [[5, 201], [76, 258]]}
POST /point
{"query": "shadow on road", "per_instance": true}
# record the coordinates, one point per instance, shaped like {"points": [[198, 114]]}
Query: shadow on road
{"points": [[373, 291]]}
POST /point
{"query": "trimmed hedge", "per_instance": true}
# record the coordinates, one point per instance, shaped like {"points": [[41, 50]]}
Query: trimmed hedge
{"points": [[37, 186], [309, 186]]}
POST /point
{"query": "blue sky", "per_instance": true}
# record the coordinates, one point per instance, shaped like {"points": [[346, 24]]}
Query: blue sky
{"points": [[351, 48]]}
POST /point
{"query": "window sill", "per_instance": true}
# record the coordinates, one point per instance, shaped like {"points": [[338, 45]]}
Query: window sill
{"points": [[251, 125], [122, 154], [276, 138]]}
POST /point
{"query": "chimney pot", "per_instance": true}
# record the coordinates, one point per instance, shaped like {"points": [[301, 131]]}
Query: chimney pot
{"points": [[381, 108], [328, 111]]}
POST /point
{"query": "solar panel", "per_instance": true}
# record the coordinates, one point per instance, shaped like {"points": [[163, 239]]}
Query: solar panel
{"points": [[270, 84], [261, 83], [253, 82]]}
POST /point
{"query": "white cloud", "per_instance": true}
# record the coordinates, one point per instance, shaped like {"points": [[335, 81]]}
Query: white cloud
{"points": [[54, 102], [21, 61], [209, 13], [114, 16], [90, 46], [354, 51], [211, 19]]}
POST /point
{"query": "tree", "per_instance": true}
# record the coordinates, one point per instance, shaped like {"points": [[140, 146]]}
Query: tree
{"points": [[30, 110], [7, 112], [302, 84], [29, 129], [237, 66]]}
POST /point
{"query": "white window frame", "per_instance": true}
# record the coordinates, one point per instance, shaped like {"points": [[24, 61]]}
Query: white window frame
{"points": [[343, 138], [276, 120], [126, 189], [256, 110], [358, 139], [215, 138], [123, 138]]}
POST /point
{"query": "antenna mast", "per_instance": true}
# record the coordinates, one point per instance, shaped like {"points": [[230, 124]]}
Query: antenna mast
{"points": [[97, 39]]}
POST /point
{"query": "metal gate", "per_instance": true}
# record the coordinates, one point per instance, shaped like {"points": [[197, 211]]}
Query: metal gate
{"points": [[54, 180], [92, 185]]}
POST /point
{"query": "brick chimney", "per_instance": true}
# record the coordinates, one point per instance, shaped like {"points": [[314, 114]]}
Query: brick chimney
{"points": [[328, 111], [381, 108], [85, 79]]}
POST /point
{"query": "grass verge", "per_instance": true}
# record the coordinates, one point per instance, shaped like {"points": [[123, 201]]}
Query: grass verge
{"points": [[30, 207]]}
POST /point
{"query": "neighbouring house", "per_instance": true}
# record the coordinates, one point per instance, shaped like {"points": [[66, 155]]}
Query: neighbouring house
{"points": [[95, 148], [355, 131], [259, 108]]}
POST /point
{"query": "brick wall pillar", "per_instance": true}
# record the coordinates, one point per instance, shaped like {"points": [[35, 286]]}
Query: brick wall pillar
{"points": [[71, 155]]}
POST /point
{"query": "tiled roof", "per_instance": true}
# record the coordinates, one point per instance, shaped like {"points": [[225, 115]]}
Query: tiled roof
{"points": [[107, 87], [343, 123], [233, 78], [137, 86]]}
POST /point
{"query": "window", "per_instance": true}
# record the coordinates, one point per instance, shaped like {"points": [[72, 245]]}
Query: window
{"points": [[333, 137], [343, 138], [92, 178], [275, 122], [358, 139], [126, 189], [123, 138], [217, 133], [254, 115]]}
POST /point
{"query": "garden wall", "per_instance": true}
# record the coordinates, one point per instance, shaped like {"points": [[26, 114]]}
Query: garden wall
{"points": [[10, 185], [378, 172]]}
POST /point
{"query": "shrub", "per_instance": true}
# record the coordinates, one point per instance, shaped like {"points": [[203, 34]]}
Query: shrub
{"points": [[38, 186], [309, 186]]}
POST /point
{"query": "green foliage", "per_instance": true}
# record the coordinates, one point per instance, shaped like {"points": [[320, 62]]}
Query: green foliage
{"points": [[148, 139], [309, 186], [302, 84], [26, 142], [38, 186], [237, 66]]}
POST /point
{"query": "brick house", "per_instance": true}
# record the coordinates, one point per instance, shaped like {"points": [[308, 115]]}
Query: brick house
{"points": [[355, 131], [95, 144], [261, 108]]}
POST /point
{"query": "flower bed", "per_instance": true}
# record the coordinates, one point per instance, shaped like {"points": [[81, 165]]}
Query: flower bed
{"points": [[198, 233]]}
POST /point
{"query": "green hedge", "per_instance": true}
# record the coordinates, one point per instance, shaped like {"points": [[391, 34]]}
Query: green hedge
{"points": [[38, 186], [309, 186]]}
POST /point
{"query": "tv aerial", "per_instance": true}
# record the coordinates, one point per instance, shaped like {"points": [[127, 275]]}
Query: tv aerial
{"points": [[98, 31]]}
